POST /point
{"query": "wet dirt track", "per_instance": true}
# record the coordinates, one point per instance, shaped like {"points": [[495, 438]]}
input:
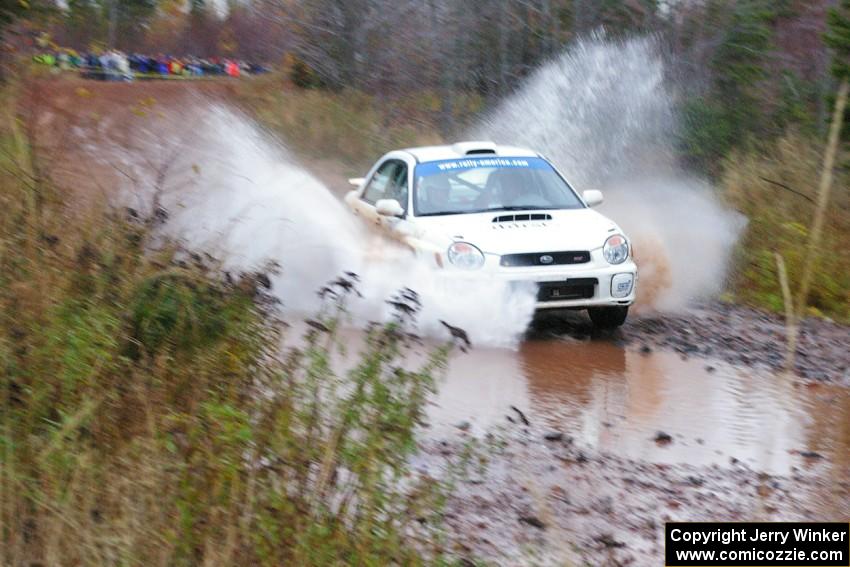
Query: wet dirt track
{"points": [[622, 436], [618, 399]]}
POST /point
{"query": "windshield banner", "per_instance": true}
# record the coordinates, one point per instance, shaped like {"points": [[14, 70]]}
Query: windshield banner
{"points": [[455, 165]]}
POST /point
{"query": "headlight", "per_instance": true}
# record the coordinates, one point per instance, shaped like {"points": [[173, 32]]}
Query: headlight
{"points": [[616, 249], [465, 256]]}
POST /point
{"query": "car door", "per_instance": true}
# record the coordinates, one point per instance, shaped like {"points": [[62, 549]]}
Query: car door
{"points": [[373, 191], [397, 189], [389, 181]]}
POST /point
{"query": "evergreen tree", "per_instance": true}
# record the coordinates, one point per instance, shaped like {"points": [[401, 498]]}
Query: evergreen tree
{"points": [[837, 38], [85, 23], [127, 21], [740, 64], [622, 18], [9, 10]]}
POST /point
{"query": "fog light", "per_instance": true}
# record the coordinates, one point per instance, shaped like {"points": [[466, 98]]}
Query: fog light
{"points": [[621, 285]]}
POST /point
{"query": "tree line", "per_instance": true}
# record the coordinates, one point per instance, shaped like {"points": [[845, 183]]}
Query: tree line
{"points": [[750, 69]]}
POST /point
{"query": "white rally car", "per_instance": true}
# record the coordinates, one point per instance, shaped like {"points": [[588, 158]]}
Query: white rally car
{"points": [[476, 206]]}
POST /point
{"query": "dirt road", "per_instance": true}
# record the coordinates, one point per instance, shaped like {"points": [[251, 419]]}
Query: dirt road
{"points": [[666, 420]]}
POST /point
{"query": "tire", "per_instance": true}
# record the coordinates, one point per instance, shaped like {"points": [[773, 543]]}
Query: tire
{"points": [[608, 317]]}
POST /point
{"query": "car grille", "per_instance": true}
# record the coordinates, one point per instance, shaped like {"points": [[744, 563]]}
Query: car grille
{"points": [[545, 259], [575, 288]]}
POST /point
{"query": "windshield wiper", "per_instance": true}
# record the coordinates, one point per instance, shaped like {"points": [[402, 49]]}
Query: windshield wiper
{"points": [[443, 213], [516, 208], [474, 211]]}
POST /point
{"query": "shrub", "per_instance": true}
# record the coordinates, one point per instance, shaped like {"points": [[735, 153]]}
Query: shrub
{"points": [[303, 76]]}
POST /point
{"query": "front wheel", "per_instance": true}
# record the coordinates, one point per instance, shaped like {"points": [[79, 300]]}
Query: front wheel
{"points": [[608, 317]]}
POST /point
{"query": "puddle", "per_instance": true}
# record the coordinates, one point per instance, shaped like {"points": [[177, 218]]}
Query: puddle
{"points": [[616, 400]]}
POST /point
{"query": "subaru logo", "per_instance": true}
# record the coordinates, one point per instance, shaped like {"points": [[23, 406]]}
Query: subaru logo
{"points": [[546, 259]]}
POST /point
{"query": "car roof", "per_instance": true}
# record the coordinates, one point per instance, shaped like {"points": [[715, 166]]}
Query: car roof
{"points": [[467, 149]]}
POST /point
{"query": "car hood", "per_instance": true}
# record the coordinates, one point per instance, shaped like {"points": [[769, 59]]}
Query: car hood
{"points": [[573, 229]]}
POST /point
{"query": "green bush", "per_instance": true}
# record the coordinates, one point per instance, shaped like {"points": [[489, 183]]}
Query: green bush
{"points": [[179, 310], [706, 134], [303, 76]]}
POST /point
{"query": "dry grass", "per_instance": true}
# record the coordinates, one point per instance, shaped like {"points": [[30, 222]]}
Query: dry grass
{"points": [[776, 188], [349, 126]]}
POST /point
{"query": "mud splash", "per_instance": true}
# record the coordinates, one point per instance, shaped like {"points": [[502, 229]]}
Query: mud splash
{"points": [[257, 204], [230, 190], [605, 113]]}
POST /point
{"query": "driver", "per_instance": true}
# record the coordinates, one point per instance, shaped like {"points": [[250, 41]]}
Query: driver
{"points": [[436, 189]]}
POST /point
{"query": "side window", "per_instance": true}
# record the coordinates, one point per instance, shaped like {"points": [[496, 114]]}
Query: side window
{"points": [[380, 183], [397, 189]]}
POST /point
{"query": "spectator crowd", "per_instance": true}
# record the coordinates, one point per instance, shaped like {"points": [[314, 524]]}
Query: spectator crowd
{"points": [[114, 65]]}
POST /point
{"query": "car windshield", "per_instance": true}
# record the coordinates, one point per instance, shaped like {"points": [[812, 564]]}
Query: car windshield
{"points": [[474, 185]]}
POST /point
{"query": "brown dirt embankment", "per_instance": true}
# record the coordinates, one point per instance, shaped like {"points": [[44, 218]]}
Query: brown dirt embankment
{"points": [[63, 115]]}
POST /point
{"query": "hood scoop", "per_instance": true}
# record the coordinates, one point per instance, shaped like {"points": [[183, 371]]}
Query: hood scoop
{"points": [[523, 217]]}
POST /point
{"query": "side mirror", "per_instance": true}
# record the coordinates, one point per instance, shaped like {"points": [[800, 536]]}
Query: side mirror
{"points": [[356, 181], [592, 197], [389, 208]]}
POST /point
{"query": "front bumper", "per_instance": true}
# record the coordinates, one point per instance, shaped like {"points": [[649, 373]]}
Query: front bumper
{"points": [[600, 293], [548, 279]]}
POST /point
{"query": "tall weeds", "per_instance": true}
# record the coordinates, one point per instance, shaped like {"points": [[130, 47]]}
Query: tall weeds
{"points": [[151, 417], [775, 187]]}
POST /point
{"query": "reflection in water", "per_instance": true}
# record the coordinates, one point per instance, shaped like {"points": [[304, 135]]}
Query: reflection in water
{"points": [[616, 400]]}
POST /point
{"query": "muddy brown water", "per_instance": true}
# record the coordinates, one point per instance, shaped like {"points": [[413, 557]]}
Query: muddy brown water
{"points": [[754, 445], [616, 400]]}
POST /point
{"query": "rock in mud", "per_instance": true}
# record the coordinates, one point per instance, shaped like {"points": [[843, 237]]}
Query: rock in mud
{"points": [[663, 438], [533, 521], [757, 340], [695, 480], [263, 280], [608, 541]]}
